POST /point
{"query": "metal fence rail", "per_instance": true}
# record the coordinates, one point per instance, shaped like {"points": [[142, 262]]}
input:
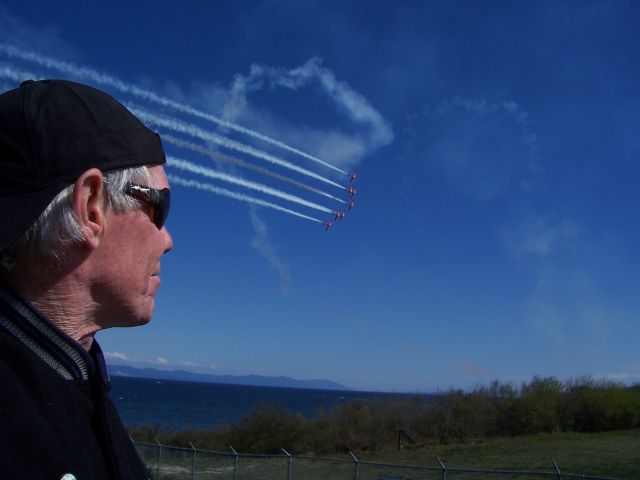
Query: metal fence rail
{"points": [[175, 463]]}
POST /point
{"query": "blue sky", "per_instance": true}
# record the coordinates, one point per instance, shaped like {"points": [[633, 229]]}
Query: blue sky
{"points": [[496, 229]]}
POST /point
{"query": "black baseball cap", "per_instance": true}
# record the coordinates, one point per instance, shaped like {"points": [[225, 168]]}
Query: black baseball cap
{"points": [[51, 131]]}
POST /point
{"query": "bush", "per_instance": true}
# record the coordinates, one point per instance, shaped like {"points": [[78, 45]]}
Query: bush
{"points": [[269, 429], [596, 406], [543, 405]]}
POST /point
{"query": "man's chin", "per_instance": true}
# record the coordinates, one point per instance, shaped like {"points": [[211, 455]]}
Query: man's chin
{"points": [[142, 317]]}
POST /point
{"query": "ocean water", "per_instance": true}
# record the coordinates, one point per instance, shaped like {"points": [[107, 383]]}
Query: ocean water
{"points": [[178, 405]]}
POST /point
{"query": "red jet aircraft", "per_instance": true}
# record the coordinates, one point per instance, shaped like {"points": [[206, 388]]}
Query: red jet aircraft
{"points": [[351, 191]]}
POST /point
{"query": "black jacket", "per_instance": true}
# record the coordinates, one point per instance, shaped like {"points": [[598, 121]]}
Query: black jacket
{"points": [[55, 414]]}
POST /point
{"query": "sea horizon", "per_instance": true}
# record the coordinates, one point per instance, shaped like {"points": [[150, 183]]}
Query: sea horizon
{"points": [[181, 404]]}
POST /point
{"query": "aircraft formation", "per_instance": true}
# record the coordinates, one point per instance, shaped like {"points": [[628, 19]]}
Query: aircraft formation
{"points": [[349, 203]]}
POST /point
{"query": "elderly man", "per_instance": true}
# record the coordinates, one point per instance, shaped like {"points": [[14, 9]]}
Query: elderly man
{"points": [[83, 199]]}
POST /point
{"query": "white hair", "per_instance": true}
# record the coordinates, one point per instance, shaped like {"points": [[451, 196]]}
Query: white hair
{"points": [[58, 224]]}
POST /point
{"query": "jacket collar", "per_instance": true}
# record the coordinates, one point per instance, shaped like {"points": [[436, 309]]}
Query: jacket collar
{"points": [[54, 347]]}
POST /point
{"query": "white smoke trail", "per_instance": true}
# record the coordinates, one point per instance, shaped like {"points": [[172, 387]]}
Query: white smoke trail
{"points": [[189, 129], [7, 71], [241, 163], [208, 172], [16, 75], [350, 103], [237, 196], [197, 132], [104, 79], [192, 130]]}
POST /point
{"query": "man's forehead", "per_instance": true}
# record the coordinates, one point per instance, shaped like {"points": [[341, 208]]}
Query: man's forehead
{"points": [[158, 176]]}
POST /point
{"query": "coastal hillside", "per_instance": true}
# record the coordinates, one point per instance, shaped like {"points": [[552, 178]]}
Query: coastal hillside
{"points": [[254, 380]]}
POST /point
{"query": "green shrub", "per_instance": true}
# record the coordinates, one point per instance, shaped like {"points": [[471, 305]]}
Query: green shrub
{"points": [[543, 405], [268, 429]]}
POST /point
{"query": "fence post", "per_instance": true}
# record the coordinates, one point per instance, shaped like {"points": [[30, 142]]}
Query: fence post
{"points": [[289, 477], [357, 465], [235, 468], [159, 459], [557, 469], [444, 468], [193, 462]]}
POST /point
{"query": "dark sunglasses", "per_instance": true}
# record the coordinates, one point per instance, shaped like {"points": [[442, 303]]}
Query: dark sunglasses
{"points": [[158, 200]]}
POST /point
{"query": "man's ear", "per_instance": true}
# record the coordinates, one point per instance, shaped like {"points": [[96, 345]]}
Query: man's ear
{"points": [[89, 202]]}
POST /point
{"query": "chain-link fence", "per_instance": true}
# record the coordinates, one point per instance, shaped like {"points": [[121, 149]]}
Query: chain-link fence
{"points": [[173, 463]]}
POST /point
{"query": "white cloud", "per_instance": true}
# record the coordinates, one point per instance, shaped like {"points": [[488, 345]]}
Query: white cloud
{"points": [[368, 131], [550, 321], [567, 305], [262, 244], [185, 363], [540, 236], [623, 377], [116, 356], [484, 150], [160, 361], [48, 37], [194, 366]]}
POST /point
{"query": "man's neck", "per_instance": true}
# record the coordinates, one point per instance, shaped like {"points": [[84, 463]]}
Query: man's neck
{"points": [[64, 300], [67, 311]]}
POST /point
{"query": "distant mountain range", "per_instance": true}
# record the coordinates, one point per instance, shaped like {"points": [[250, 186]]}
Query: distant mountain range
{"points": [[255, 380]]}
